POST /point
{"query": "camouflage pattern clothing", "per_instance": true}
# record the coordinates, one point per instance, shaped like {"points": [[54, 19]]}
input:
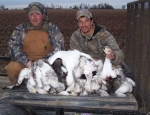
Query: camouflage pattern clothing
{"points": [[17, 38], [93, 44]]}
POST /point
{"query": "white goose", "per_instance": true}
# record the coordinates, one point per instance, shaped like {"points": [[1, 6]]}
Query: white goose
{"points": [[70, 59], [108, 70], [127, 86]]}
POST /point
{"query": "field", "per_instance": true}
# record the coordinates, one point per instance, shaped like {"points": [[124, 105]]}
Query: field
{"points": [[113, 20]]}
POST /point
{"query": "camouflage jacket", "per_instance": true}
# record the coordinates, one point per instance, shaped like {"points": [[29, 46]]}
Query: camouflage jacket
{"points": [[93, 45], [16, 41]]}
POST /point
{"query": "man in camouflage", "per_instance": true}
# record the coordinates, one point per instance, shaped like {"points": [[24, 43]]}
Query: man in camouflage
{"points": [[90, 38], [36, 39]]}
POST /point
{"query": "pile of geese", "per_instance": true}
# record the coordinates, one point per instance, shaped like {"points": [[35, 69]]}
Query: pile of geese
{"points": [[84, 76]]}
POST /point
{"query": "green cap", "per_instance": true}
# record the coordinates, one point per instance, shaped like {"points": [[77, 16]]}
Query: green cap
{"points": [[34, 9], [83, 12], [38, 7]]}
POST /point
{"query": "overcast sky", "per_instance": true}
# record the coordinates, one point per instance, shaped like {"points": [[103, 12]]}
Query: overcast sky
{"points": [[63, 3]]}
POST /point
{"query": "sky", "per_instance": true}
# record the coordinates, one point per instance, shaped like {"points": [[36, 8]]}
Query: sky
{"points": [[64, 3]]}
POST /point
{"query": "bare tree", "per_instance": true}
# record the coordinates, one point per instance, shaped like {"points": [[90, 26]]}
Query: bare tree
{"points": [[102, 6], [75, 7], [94, 7], [52, 6], [70, 7], [83, 5], [2, 7], [123, 6], [87, 6], [107, 6]]}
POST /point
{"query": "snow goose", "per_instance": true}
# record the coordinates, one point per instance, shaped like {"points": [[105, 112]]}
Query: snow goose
{"points": [[25, 73], [70, 59], [126, 86], [108, 70]]}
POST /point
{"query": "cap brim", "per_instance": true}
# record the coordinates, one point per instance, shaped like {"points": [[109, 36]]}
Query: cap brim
{"points": [[83, 15], [34, 11]]}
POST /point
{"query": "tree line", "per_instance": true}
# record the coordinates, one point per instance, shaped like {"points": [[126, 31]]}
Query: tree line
{"points": [[86, 6], [80, 6]]}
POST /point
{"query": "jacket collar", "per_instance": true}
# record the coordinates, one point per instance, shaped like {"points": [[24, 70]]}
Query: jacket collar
{"points": [[44, 27]]}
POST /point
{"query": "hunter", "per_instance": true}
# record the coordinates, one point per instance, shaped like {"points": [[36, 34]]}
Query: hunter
{"points": [[35, 39]]}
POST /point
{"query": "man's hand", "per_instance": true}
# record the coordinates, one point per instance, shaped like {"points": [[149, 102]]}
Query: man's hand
{"points": [[29, 64], [111, 55]]}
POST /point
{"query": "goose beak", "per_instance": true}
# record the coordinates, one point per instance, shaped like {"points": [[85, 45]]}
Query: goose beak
{"points": [[108, 78]]}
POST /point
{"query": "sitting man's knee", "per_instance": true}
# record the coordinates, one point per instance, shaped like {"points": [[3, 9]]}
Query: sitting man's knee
{"points": [[13, 69]]}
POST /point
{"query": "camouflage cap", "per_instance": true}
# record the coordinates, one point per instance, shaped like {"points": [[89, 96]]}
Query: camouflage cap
{"points": [[34, 9], [83, 12], [37, 7]]}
